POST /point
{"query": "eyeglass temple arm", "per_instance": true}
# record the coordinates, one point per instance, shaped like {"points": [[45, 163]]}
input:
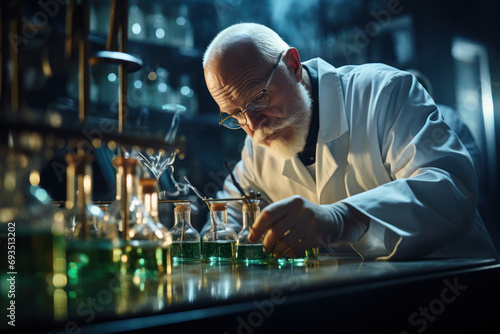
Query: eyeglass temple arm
{"points": [[272, 73]]}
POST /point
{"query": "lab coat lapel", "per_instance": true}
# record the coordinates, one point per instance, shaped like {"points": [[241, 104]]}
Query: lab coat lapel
{"points": [[326, 165], [333, 124], [295, 170]]}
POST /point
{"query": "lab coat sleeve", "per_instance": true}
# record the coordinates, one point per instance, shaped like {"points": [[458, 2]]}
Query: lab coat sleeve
{"points": [[245, 176], [431, 201]]}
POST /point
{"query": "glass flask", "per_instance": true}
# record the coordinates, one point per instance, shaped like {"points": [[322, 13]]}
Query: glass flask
{"points": [[187, 96], [157, 25], [219, 242], [181, 30], [31, 243], [186, 241], [136, 22], [149, 198], [246, 251], [311, 253], [93, 249], [163, 92], [143, 254]]}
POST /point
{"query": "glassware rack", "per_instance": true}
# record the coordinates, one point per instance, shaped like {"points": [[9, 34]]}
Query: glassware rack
{"points": [[32, 231]]}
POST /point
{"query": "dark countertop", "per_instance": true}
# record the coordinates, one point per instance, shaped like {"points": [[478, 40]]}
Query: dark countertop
{"points": [[334, 291]]}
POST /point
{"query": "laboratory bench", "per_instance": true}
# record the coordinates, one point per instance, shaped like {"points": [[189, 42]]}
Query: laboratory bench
{"points": [[333, 293]]}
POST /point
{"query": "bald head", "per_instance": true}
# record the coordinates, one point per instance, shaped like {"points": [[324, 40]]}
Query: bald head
{"points": [[245, 40]]}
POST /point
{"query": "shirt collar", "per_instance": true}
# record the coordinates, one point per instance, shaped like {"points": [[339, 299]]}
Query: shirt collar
{"points": [[308, 155]]}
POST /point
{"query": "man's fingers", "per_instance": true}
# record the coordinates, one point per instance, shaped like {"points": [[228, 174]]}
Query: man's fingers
{"points": [[270, 216], [277, 232], [288, 242]]}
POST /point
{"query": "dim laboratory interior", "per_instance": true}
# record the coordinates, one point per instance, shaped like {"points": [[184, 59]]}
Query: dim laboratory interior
{"points": [[232, 166]]}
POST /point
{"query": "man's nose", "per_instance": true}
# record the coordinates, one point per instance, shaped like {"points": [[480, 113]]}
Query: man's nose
{"points": [[255, 120]]}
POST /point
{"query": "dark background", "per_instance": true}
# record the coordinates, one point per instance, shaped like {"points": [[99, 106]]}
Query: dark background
{"points": [[405, 34]]}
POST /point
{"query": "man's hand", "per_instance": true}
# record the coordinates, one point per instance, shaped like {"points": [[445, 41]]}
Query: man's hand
{"points": [[293, 225]]}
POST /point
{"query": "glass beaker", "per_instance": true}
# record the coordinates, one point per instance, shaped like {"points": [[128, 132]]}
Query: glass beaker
{"points": [[218, 243], [246, 251], [186, 241]]}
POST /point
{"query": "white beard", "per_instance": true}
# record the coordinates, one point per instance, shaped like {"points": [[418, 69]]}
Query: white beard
{"points": [[299, 117]]}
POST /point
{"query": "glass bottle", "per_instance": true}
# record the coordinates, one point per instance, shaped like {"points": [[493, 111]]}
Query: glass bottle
{"points": [[149, 198], [187, 96], [108, 84], [246, 251], [136, 22], [143, 255], [31, 243], [163, 92], [186, 241], [181, 31], [93, 250], [157, 25], [219, 241]]}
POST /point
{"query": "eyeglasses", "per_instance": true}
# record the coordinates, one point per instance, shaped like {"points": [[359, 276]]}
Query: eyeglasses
{"points": [[258, 103]]}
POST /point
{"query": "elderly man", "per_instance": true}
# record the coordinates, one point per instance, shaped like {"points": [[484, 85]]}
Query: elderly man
{"points": [[355, 155]]}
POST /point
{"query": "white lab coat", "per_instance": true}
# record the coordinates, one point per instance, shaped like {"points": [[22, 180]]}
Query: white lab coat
{"points": [[384, 149]]}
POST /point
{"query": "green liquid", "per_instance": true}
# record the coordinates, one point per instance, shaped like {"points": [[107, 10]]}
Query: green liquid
{"points": [[251, 252], [92, 261], [144, 258], [166, 263], [312, 253], [218, 250], [186, 251], [309, 254], [91, 266], [38, 256]]}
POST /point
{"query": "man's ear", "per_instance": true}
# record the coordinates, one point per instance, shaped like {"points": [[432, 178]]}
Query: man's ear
{"points": [[292, 61]]}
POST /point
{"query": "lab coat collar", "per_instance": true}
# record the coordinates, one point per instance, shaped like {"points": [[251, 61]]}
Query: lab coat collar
{"points": [[332, 113], [295, 170], [333, 123]]}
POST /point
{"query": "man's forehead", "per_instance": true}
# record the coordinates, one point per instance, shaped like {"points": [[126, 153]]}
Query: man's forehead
{"points": [[232, 69]]}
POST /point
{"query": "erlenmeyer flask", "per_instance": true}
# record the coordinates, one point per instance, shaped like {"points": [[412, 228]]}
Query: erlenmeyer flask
{"points": [[93, 250], [186, 241], [218, 243], [143, 240], [245, 250], [149, 198]]}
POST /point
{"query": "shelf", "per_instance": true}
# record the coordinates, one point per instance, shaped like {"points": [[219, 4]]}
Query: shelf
{"points": [[180, 53], [93, 135]]}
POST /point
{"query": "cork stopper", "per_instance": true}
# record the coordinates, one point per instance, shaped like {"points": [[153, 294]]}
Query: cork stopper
{"points": [[148, 186], [182, 207], [129, 164], [217, 206]]}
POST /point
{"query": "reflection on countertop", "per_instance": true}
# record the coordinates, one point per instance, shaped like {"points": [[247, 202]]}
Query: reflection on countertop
{"points": [[195, 285]]}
